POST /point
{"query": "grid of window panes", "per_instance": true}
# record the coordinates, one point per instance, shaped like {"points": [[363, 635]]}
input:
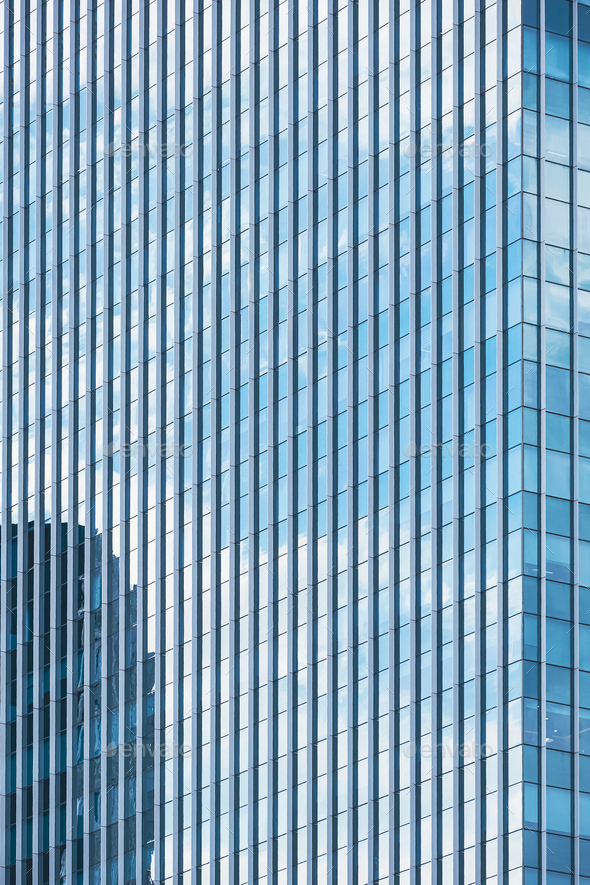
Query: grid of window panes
{"points": [[295, 450]]}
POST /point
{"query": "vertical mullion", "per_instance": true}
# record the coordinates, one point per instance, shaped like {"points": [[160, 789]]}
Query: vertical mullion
{"points": [[234, 372], [293, 401], [479, 432], [372, 836], [126, 482], [350, 431], [142, 739], [457, 330], [215, 460], [309, 541], [500, 426], [393, 79], [332, 449], [196, 567], [39, 588], [89, 618], [18, 288], [253, 372], [436, 551], [576, 577], [266, 586], [414, 175], [178, 574], [6, 533]]}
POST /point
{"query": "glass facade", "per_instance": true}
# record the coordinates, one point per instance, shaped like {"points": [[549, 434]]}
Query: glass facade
{"points": [[295, 442]]}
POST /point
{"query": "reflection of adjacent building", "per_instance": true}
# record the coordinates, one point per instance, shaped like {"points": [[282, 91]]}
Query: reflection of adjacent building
{"points": [[87, 689], [332, 362]]}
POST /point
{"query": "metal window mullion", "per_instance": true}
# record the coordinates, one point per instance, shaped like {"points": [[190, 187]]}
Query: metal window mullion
{"points": [[576, 577], [373, 524], [500, 428], [543, 443], [292, 398], [5, 544], [351, 860], [39, 663], [22, 555], [39, 263], [253, 366], [56, 466], [267, 594], [178, 505], [391, 401], [107, 239], [435, 720], [143, 356], [125, 552], [311, 703], [159, 688], [24, 313], [233, 541], [542, 389], [414, 466], [479, 364], [198, 173], [458, 644], [215, 459], [332, 485], [198, 625], [89, 699], [196, 522]]}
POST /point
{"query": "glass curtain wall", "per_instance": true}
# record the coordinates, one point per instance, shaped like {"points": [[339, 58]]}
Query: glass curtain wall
{"points": [[295, 442]]}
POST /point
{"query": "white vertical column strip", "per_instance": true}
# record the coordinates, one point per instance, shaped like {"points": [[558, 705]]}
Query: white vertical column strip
{"points": [[499, 761], [414, 465], [479, 440], [434, 435]]}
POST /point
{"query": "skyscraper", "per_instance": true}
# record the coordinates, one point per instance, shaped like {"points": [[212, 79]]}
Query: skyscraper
{"points": [[295, 449]]}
